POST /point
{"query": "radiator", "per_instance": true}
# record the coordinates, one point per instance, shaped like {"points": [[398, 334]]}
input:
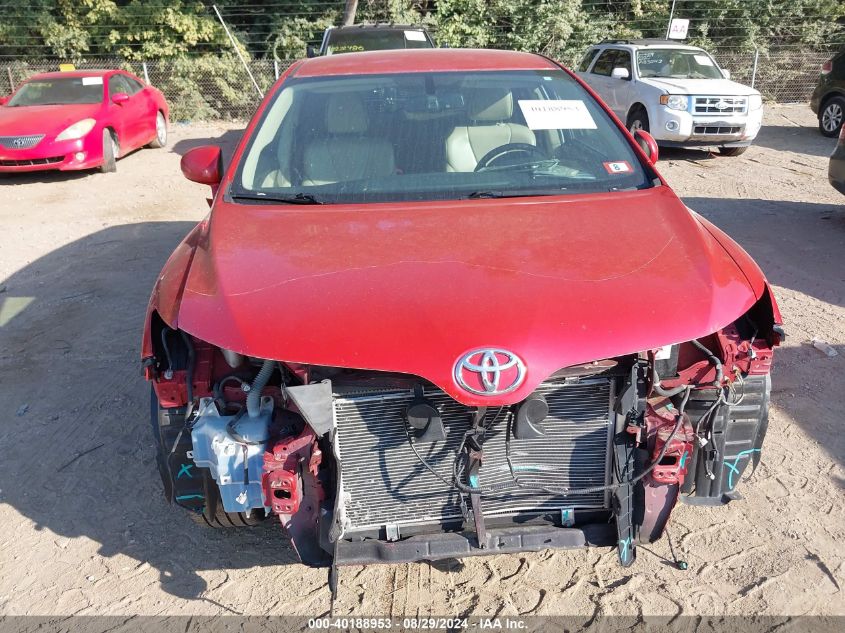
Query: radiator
{"points": [[384, 484]]}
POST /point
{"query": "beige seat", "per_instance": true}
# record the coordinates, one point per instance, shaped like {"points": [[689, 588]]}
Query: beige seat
{"points": [[343, 152], [490, 111]]}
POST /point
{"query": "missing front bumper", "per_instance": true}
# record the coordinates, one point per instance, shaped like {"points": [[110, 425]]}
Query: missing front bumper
{"points": [[430, 547]]}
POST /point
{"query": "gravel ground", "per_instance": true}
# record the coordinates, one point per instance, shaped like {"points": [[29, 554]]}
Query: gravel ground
{"points": [[84, 528]]}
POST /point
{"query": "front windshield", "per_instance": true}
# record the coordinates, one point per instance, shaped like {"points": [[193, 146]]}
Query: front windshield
{"points": [[677, 63], [354, 41], [434, 136], [61, 91]]}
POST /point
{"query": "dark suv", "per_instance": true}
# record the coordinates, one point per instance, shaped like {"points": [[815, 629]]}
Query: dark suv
{"points": [[828, 100], [371, 37]]}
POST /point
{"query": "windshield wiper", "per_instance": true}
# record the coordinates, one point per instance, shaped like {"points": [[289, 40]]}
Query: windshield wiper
{"points": [[291, 198], [490, 193]]}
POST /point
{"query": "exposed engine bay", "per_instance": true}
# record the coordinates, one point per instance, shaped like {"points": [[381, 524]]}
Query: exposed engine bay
{"points": [[364, 466]]}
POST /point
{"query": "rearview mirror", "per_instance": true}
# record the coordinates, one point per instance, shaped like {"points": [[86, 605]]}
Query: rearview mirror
{"points": [[204, 165], [726, 73], [310, 51], [3, 100], [620, 73], [648, 144], [119, 98]]}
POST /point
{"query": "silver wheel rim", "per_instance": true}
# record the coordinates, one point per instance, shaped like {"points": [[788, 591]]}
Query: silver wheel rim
{"points": [[161, 129], [832, 117], [114, 147]]}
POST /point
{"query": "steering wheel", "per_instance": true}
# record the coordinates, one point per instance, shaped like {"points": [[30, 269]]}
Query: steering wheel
{"points": [[510, 154]]}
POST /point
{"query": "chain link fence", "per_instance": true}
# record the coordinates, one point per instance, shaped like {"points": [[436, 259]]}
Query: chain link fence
{"points": [[218, 87], [781, 76]]}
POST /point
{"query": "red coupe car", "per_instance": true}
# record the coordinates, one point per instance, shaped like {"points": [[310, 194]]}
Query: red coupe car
{"points": [[79, 120], [444, 305]]}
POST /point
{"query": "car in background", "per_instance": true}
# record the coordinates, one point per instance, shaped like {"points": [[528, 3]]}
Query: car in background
{"points": [[404, 333], [79, 119], [371, 37], [836, 167], [828, 98], [676, 92]]}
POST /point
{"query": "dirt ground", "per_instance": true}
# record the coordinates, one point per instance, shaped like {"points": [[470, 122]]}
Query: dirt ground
{"points": [[84, 528]]}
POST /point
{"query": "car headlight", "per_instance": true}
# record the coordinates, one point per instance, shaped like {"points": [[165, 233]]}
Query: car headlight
{"points": [[675, 102], [755, 102], [77, 130]]}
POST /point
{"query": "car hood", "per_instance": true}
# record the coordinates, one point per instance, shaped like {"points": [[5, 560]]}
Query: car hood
{"points": [[411, 287], [47, 119], [722, 87]]}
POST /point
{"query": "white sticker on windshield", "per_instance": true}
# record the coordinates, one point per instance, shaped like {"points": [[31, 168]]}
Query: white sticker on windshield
{"points": [[703, 60], [415, 36], [556, 114], [92, 81]]}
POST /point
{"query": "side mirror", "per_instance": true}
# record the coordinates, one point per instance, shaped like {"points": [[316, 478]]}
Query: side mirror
{"points": [[119, 98], [204, 165], [648, 144], [620, 73], [310, 51], [726, 73], [3, 100]]}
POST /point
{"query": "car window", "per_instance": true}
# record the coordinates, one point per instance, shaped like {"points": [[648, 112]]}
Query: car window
{"points": [[623, 60], [585, 63], [352, 41], [58, 91], [604, 64], [117, 84], [133, 86], [434, 136], [677, 63]]}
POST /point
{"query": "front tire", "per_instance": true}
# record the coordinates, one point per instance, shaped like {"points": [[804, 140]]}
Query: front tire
{"points": [[638, 120], [160, 139], [196, 492], [732, 151], [111, 150], [831, 116]]}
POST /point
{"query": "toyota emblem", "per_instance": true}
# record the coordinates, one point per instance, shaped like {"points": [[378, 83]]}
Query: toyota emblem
{"points": [[489, 372], [18, 142]]}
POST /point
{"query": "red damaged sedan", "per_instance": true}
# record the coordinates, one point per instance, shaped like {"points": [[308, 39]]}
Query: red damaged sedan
{"points": [[444, 305], [79, 120]]}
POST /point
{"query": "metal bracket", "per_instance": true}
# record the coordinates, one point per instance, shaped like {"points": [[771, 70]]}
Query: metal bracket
{"points": [[392, 531]]}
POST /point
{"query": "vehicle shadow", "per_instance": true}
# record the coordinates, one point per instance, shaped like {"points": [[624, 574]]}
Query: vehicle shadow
{"points": [[799, 245], [32, 177], [78, 454], [795, 138]]}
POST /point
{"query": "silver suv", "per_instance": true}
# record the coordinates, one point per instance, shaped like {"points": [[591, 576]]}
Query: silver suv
{"points": [[676, 92]]}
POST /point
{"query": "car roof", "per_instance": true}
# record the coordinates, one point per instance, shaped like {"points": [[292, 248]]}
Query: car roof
{"points": [[421, 60], [634, 44], [75, 73], [379, 27]]}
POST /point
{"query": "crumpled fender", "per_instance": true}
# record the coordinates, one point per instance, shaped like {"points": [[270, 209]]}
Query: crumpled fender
{"points": [[170, 285]]}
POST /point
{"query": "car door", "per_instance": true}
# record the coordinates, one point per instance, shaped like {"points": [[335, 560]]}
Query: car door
{"points": [[622, 91], [147, 108], [127, 116], [599, 75]]}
